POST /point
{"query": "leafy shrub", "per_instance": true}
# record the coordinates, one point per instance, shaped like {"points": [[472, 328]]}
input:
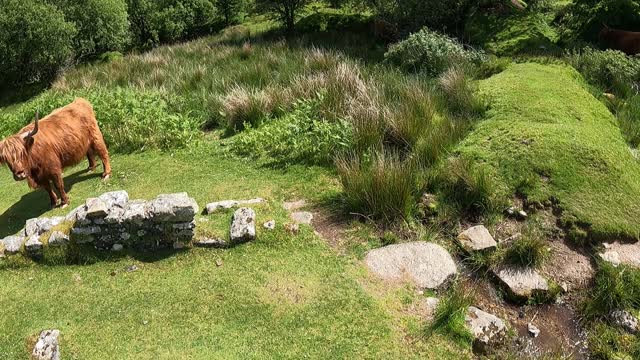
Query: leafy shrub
{"points": [[35, 41], [430, 52], [584, 19], [284, 11], [230, 10], [383, 187], [615, 288], [610, 70], [323, 21], [300, 136], [130, 120], [102, 25]]}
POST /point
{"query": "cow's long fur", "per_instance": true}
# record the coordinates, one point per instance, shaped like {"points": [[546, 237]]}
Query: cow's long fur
{"points": [[64, 138], [625, 41]]}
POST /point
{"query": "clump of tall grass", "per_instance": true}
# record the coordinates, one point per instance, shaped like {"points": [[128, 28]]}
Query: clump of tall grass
{"points": [[628, 114], [527, 251], [383, 187], [468, 187], [616, 287], [245, 106], [450, 314], [461, 93]]}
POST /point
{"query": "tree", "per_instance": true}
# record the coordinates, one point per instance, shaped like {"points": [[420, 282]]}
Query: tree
{"points": [[285, 11], [230, 10]]}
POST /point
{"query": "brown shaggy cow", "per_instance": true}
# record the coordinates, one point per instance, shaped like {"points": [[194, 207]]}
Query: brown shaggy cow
{"points": [[40, 151], [625, 41]]}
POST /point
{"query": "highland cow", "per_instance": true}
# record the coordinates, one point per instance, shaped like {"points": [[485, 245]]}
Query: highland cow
{"points": [[40, 151], [626, 41]]}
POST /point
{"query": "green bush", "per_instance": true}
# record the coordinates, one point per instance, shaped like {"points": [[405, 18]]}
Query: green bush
{"points": [[300, 136], [130, 120], [383, 187], [156, 22], [430, 52], [610, 70], [102, 25], [436, 14], [35, 41], [584, 19]]}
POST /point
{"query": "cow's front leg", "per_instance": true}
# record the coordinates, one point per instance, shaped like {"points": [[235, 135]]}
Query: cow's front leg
{"points": [[59, 183], [52, 194]]}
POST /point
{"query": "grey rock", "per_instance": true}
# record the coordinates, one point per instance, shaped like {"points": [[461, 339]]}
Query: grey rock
{"points": [[115, 199], [302, 217], [294, 205], [116, 215], [427, 307], [428, 265], [135, 212], [622, 253], [172, 208], [533, 330], [33, 246], [96, 208], [90, 230], [243, 225], [79, 216], [58, 238], [270, 225], [210, 242], [47, 347], [625, 320], [477, 238], [39, 226], [117, 247], [522, 282], [13, 244], [522, 215], [221, 205], [487, 329], [132, 268], [184, 226]]}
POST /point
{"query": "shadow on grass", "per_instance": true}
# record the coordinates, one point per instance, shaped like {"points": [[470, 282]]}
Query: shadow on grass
{"points": [[34, 204]]}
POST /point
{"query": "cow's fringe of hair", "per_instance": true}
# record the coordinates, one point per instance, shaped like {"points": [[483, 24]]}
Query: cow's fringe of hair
{"points": [[12, 150]]}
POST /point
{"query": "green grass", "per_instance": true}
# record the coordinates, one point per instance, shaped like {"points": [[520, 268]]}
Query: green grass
{"points": [[282, 296], [544, 127]]}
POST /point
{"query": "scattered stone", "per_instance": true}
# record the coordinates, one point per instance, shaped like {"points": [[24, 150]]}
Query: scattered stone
{"points": [[522, 282], [477, 238], [428, 307], [172, 208], [145, 322], [243, 226], [620, 253], [292, 229], [77, 278], [132, 268], [625, 320], [487, 329], [270, 225], [210, 242], [428, 265], [218, 262], [302, 217], [39, 226], [13, 244], [115, 199], [33, 246], [47, 347], [96, 208], [522, 215], [533, 330], [117, 247], [294, 205], [229, 204], [58, 238]]}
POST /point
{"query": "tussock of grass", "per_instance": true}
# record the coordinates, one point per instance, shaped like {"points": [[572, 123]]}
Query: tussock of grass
{"points": [[572, 148], [450, 315], [527, 251], [615, 288], [470, 189]]}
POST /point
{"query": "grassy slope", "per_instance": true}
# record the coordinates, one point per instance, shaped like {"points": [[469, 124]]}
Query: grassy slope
{"points": [[544, 123], [282, 296]]}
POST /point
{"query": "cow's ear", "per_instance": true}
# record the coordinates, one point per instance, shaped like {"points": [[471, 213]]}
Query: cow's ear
{"points": [[28, 141]]}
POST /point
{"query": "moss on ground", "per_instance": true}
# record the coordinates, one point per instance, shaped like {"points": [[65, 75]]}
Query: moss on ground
{"points": [[548, 138]]}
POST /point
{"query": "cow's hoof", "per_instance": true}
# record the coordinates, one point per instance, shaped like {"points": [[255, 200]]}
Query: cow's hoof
{"points": [[64, 206], [106, 177]]}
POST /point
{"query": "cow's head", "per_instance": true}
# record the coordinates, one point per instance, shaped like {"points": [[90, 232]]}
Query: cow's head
{"points": [[15, 152]]}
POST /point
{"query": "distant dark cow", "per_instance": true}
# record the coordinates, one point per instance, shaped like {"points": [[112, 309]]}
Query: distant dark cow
{"points": [[40, 151], [625, 41]]}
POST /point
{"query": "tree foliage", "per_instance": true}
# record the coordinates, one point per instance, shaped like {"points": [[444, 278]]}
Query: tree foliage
{"points": [[285, 11]]}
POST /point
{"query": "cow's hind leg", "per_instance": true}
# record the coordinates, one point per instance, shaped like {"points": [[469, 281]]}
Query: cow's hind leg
{"points": [[52, 195], [92, 160], [101, 149], [59, 183]]}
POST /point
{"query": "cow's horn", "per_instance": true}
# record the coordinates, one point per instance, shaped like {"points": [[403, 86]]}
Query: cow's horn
{"points": [[35, 126]]}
